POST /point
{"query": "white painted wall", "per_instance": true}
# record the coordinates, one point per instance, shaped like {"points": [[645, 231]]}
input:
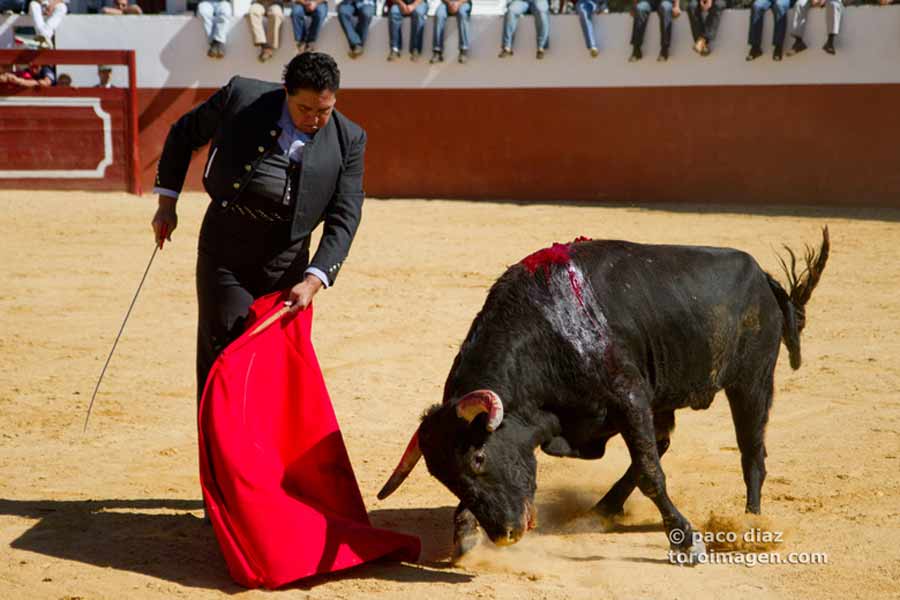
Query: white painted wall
{"points": [[171, 52]]}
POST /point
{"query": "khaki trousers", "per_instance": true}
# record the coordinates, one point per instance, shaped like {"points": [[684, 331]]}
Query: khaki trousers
{"points": [[275, 16]]}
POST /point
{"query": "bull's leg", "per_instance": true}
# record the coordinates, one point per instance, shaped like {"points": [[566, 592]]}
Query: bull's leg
{"points": [[640, 437], [466, 532], [613, 503], [750, 413]]}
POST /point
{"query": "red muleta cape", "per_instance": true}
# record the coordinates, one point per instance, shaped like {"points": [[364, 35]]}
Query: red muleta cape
{"points": [[276, 477]]}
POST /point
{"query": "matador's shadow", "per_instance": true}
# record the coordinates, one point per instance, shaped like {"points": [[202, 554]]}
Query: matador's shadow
{"points": [[159, 538]]}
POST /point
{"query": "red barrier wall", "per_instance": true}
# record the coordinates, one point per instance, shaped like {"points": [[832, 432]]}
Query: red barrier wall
{"points": [[755, 144]]}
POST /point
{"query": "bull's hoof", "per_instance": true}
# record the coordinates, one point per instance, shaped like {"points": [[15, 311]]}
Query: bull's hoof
{"points": [[466, 534], [688, 557], [608, 510]]}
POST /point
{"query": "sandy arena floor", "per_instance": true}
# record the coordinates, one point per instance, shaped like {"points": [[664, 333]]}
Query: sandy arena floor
{"points": [[114, 513]]}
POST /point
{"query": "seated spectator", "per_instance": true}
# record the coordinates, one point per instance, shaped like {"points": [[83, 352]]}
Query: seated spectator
{"points": [[462, 10], [362, 11], [515, 9], [832, 23], [121, 7], [11, 7], [757, 14], [586, 10], [417, 11], [64, 80], [306, 36], [215, 15], [667, 11], [704, 16], [47, 15], [104, 74], [31, 76], [271, 9]]}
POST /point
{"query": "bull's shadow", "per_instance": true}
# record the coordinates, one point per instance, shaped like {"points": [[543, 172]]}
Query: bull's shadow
{"points": [[160, 538]]}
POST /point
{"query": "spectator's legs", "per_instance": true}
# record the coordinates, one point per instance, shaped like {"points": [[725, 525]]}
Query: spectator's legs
{"points": [[516, 9], [780, 10], [345, 12], [664, 10], [56, 17], [641, 15], [541, 12], [798, 24], [317, 17], [298, 23], [364, 17], [206, 11], [276, 17], [757, 14], [833, 23], [711, 25], [585, 10], [418, 19], [440, 20], [695, 16], [462, 22], [46, 27], [833, 16], [254, 18], [221, 15], [395, 28]]}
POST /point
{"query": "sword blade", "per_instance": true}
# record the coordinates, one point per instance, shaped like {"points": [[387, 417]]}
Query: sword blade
{"points": [[115, 343]]}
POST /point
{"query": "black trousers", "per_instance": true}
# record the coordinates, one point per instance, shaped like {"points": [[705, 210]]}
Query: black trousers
{"points": [[238, 260]]}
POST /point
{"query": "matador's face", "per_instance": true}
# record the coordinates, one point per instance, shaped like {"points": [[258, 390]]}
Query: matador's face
{"points": [[310, 110]]}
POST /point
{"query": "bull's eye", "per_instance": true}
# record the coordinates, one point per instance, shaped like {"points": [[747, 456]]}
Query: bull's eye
{"points": [[478, 459]]}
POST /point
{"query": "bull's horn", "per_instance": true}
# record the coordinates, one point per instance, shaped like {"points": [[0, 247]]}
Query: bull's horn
{"points": [[474, 403], [409, 459]]}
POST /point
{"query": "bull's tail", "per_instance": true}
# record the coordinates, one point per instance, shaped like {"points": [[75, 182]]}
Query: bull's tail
{"points": [[800, 288]]}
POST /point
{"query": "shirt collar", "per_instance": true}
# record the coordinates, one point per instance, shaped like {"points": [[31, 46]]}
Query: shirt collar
{"points": [[287, 125]]}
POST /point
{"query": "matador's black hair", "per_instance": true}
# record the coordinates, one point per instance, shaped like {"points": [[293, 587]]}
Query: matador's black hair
{"points": [[314, 71]]}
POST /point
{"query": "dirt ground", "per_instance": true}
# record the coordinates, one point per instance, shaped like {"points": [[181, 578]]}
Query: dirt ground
{"points": [[114, 513]]}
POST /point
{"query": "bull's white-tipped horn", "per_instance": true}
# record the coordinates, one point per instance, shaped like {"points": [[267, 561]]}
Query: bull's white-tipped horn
{"points": [[481, 401], [407, 462]]}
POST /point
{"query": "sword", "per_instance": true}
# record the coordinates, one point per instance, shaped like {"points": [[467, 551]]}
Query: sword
{"points": [[156, 247]]}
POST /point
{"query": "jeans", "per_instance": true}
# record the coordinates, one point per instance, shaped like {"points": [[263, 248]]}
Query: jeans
{"points": [[642, 15], [13, 5], [462, 21], [705, 27], [215, 17], [363, 10], [586, 10], [302, 33], [515, 9], [758, 12], [416, 27]]}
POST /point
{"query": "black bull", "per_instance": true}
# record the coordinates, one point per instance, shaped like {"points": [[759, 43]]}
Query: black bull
{"points": [[583, 341]]}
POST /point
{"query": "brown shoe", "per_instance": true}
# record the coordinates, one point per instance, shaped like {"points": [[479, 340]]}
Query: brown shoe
{"points": [[266, 53]]}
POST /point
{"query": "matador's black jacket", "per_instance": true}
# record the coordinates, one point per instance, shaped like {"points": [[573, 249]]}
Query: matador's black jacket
{"points": [[241, 122]]}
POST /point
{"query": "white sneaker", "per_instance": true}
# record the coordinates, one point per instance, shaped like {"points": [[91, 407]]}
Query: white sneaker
{"points": [[43, 42]]}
